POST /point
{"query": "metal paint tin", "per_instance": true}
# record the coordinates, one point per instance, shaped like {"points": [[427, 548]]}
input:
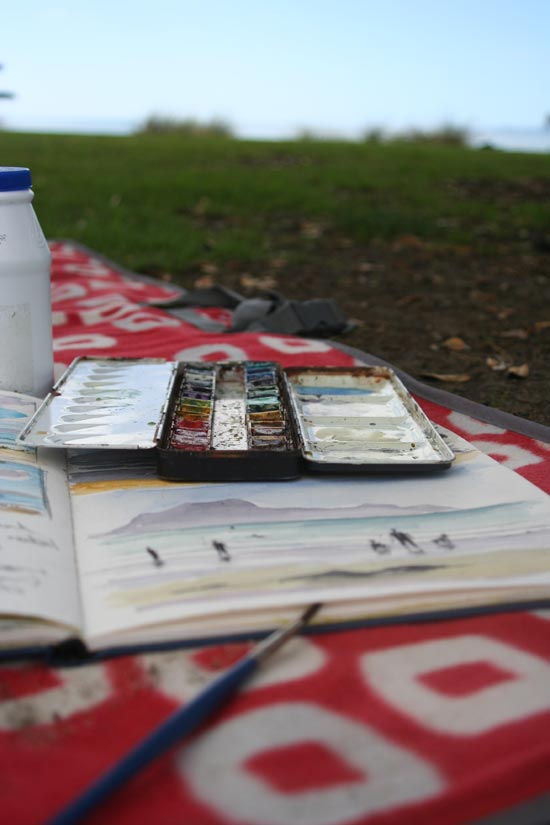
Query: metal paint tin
{"points": [[240, 421]]}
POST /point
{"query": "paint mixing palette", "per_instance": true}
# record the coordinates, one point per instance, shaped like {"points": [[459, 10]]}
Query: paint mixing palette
{"points": [[246, 420], [361, 419], [110, 403]]}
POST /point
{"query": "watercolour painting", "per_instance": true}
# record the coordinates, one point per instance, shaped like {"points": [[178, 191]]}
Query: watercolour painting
{"points": [[150, 550], [37, 566]]}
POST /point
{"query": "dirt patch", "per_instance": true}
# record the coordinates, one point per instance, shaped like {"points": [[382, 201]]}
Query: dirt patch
{"points": [[534, 189], [410, 298]]}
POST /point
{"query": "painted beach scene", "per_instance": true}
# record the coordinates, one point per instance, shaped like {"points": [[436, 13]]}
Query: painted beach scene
{"points": [[154, 552]]}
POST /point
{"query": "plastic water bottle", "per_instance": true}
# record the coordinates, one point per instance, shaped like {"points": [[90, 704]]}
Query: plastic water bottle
{"points": [[26, 356]]}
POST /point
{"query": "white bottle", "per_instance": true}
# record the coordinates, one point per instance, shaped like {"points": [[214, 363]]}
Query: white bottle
{"points": [[26, 356]]}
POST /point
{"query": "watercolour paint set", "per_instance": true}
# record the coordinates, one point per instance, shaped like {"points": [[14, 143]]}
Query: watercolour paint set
{"points": [[240, 421]]}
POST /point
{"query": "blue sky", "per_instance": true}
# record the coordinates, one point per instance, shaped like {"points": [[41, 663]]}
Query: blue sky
{"points": [[273, 67]]}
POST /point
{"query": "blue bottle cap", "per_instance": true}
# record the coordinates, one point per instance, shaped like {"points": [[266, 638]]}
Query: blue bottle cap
{"points": [[14, 178]]}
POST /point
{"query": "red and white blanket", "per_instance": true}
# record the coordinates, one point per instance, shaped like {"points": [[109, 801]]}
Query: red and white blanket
{"points": [[427, 723]]}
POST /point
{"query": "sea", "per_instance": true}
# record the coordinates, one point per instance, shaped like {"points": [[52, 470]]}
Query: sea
{"points": [[513, 140]]}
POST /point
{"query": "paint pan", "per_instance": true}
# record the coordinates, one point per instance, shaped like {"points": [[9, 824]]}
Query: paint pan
{"points": [[243, 431]]}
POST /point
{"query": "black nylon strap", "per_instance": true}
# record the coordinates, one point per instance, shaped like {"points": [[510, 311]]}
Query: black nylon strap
{"points": [[272, 313]]}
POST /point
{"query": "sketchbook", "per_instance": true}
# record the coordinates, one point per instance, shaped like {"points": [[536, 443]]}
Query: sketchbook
{"points": [[95, 546]]}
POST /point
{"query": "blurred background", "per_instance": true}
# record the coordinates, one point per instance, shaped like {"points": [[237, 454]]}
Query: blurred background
{"points": [[282, 68], [392, 155]]}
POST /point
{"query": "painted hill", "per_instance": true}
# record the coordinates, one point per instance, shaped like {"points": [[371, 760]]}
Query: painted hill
{"points": [[239, 511]]}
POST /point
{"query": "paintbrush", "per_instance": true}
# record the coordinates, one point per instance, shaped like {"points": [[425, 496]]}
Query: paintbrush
{"points": [[181, 723]]}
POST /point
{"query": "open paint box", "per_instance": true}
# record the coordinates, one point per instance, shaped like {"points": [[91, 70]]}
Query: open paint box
{"points": [[245, 420]]}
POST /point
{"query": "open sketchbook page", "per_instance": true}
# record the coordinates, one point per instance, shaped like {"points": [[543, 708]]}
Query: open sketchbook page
{"points": [[153, 552], [37, 565]]}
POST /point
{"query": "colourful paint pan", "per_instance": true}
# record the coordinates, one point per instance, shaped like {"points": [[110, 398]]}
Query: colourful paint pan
{"points": [[225, 437]]}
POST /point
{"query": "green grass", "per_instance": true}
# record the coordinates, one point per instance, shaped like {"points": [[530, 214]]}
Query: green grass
{"points": [[170, 202]]}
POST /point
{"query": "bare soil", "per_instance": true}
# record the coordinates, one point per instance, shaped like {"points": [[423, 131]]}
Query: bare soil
{"points": [[475, 322]]}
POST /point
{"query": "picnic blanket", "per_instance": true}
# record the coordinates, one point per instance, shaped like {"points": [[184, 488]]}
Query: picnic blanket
{"points": [[445, 721]]}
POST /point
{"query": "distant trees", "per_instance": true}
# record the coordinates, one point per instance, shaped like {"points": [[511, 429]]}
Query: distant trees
{"points": [[447, 134], [189, 127]]}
